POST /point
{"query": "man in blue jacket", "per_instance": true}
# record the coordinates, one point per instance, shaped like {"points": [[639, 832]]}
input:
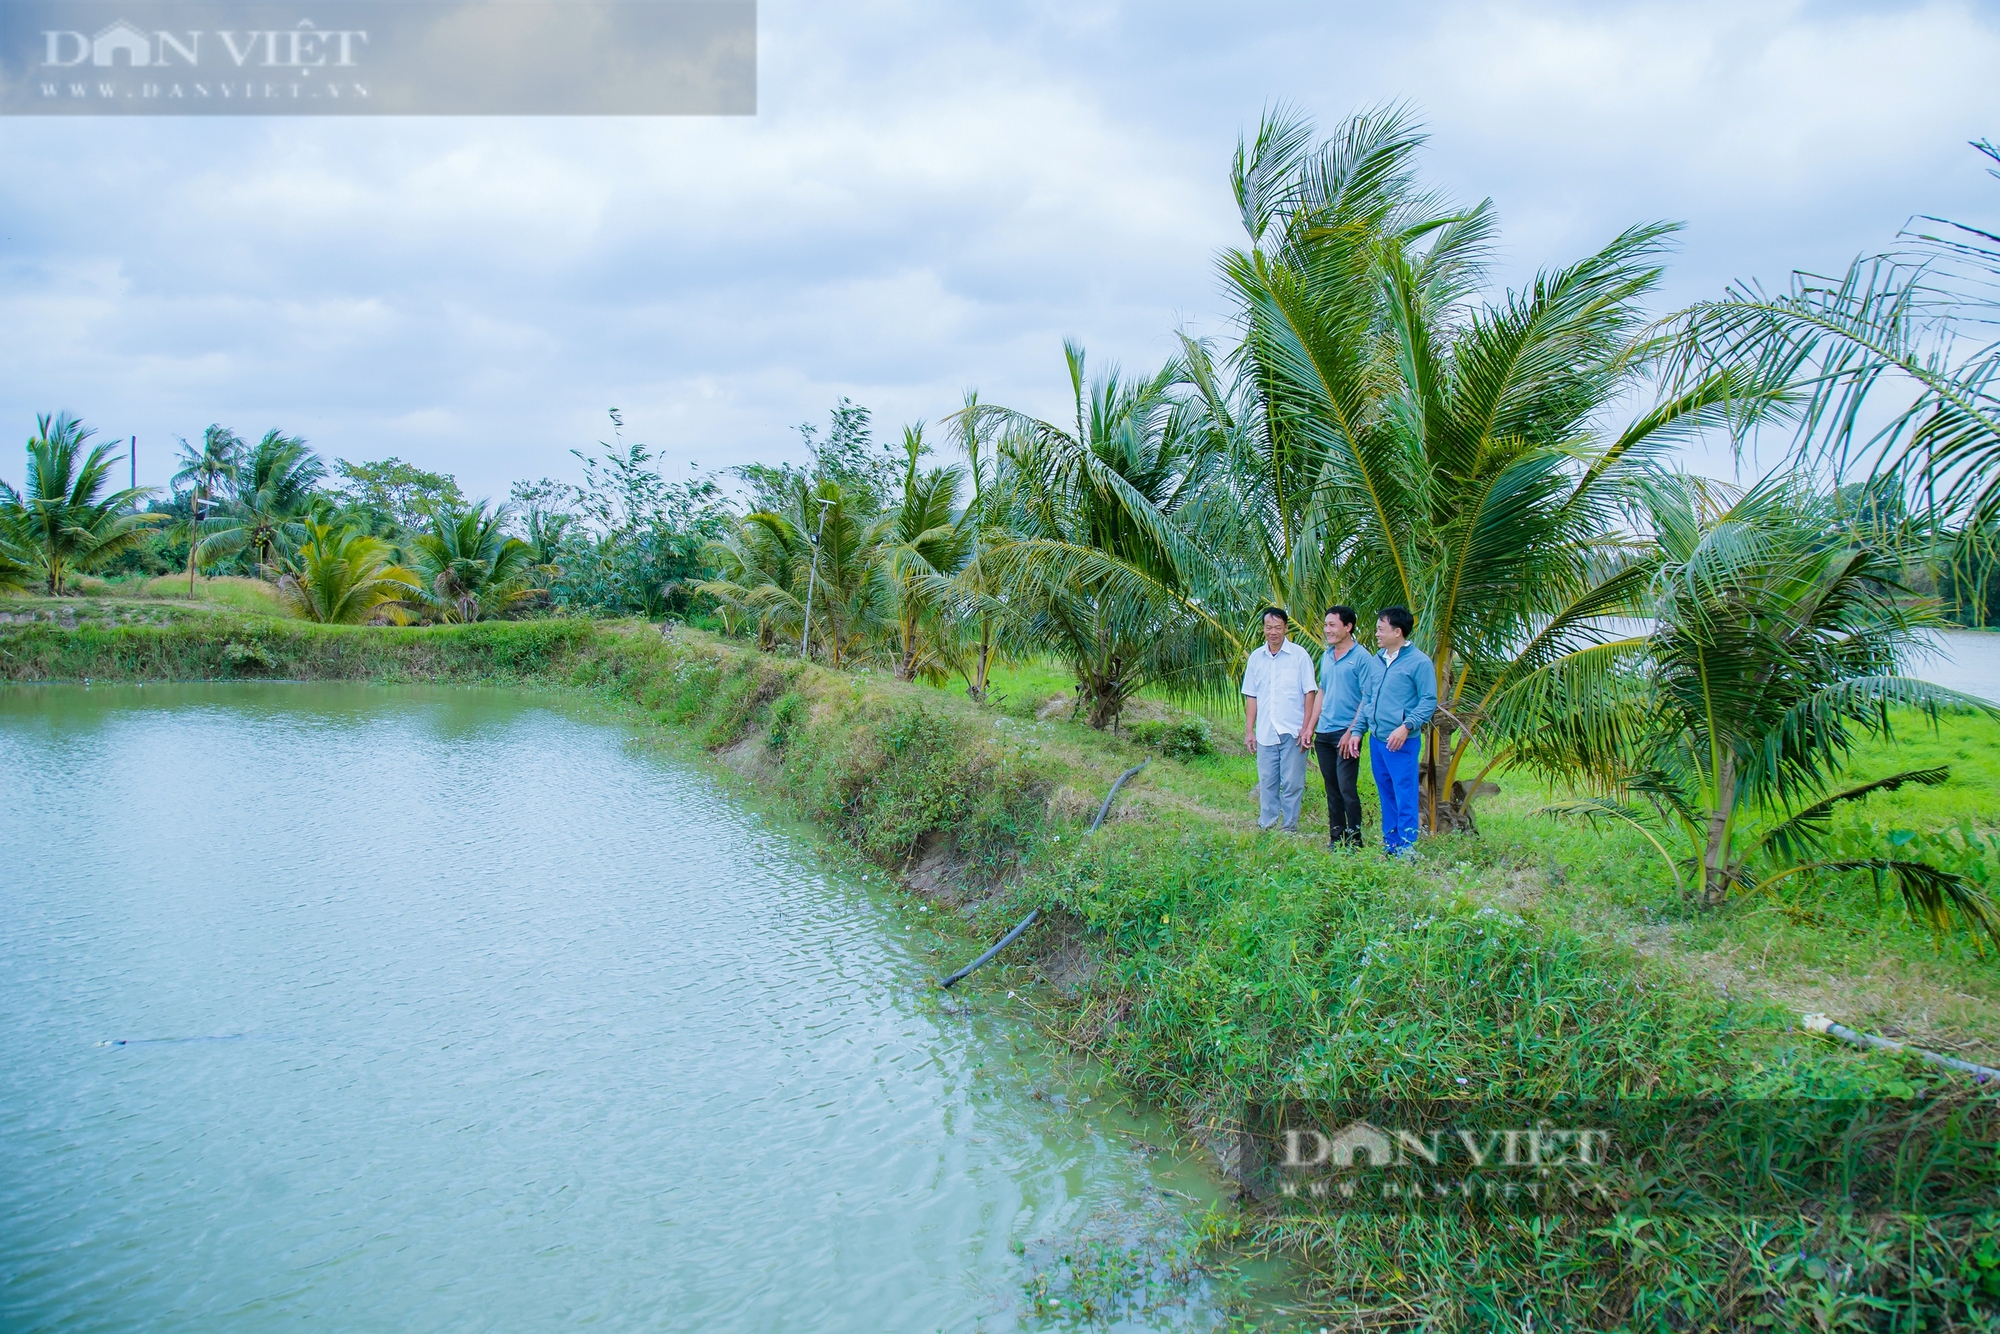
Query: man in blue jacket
{"points": [[1347, 672], [1398, 710]]}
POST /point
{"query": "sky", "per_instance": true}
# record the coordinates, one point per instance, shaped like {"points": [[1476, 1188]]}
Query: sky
{"points": [[930, 198]]}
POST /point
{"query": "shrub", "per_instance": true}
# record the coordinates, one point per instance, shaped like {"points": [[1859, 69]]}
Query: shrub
{"points": [[241, 657], [1183, 738], [887, 774], [1188, 738], [788, 719]]}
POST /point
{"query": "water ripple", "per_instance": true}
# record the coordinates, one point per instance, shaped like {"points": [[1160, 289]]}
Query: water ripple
{"points": [[443, 1010]]}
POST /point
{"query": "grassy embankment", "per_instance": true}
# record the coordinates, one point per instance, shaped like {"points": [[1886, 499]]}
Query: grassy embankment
{"points": [[1834, 947], [1209, 965]]}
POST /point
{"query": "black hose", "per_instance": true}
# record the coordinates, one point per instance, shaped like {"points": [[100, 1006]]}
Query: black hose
{"points": [[987, 957], [1105, 809], [1029, 920]]}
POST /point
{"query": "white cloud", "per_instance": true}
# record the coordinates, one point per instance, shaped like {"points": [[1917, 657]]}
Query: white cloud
{"points": [[930, 198]]}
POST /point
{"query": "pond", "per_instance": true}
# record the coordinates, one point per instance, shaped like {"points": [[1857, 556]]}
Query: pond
{"points": [[1963, 660], [425, 1009]]}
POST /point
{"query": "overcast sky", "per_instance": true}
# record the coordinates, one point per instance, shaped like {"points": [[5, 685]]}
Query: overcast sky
{"points": [[930, 198]]}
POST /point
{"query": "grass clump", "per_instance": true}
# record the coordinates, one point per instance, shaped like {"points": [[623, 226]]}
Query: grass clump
{"points": [[1184, 738], [1237, 965], [890, 773], [740, 695], [789, 715]]}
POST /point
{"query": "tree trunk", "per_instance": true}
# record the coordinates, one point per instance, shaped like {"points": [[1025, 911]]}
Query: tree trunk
{"points": [[1105, 707], [1107, 691], [1713, 887], [1454, 810], [1427, 781], [194, 538], [976, 690], [1715, 856], [1436, 816]]}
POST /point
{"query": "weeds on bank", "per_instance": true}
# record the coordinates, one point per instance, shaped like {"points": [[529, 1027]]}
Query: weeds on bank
{"points": [[1238, 963], [222, 646], [1238, 967]]}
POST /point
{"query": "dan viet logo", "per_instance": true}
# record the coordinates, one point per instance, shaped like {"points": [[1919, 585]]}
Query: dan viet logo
{"points": [[378, 57], [192, 63], [1543, 1163]]}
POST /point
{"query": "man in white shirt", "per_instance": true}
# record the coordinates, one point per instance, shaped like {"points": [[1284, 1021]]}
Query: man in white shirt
{"points": [[1278, 682]]}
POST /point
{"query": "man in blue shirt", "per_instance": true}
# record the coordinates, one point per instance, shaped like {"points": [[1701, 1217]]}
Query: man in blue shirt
{"points": [[1347, 672], [1398, 709]]}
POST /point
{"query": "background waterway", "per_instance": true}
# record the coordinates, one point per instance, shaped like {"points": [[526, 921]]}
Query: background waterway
{"points": [[458, 1010], [1963, 660]]}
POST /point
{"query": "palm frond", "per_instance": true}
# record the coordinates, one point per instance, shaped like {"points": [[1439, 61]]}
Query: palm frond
{"points": [[1804, 833], [1604, 808], [1931, 894]]}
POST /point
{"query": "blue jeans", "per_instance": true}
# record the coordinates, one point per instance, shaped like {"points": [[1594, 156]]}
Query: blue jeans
{"points": [[1396, 784]]}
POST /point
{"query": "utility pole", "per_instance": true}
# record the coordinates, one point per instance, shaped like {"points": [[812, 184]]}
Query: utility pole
{"points": [[812, 581], [133, 455]]}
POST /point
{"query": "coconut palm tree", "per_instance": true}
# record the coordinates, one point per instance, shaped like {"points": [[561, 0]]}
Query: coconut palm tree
{"points": [[974, 428], [923, 545], [1777, 634], [1090, 554], [468, 568], [17, 568], [1304, 413], [808, 568], [206, 472], [1393, 440], [63, 521], [340, 576], [835, 531], [754, 554], [273, 494]]}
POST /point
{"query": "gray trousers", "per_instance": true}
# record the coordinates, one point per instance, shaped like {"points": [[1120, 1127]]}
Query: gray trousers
{"points": [[1281, 782]]}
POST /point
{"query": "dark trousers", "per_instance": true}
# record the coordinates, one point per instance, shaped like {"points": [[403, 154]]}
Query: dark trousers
{"points": [[1343, 788]]}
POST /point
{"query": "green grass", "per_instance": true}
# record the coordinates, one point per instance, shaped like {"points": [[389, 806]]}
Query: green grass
{"points": [[234, 592], [1830, 945], [209, 644], [1020, 689], [1239, 965]]}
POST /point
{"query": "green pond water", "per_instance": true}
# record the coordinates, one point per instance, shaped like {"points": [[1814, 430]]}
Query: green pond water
{"points": [[360, 1008]]}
